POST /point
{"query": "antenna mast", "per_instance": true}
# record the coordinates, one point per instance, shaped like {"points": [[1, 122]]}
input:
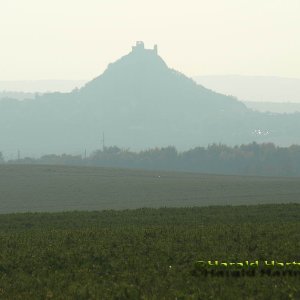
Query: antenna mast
{"points": [[103, 142]]}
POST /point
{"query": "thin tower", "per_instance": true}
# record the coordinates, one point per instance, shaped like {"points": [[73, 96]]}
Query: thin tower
{"points": [[103, 142]]}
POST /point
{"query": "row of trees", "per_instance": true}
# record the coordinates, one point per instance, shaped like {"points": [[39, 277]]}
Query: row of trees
{"points": [[252, 159]]}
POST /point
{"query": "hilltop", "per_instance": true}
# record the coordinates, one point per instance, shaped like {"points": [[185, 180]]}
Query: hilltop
{"points": [[139, 102]]}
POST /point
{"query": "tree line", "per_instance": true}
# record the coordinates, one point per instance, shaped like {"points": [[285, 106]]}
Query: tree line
{"points": [[252, 159]]}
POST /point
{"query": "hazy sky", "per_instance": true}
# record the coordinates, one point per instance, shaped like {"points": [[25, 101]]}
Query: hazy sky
{"points": [[76, 39]]}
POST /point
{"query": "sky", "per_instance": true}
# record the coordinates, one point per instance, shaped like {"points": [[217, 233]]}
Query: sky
{"points": [[76, 39]]}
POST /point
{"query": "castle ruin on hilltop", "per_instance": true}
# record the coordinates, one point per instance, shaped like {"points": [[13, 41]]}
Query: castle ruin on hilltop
{"points": [[139, 46]]}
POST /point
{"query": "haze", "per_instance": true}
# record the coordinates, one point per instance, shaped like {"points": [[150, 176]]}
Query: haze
{"points": [[77, 39]]}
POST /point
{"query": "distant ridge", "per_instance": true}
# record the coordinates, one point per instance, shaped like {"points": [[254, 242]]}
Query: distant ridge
{"points": [[254, 88], [39, 86], [274, 107]]}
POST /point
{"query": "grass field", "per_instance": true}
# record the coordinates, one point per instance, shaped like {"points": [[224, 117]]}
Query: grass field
{"points": [[147, 253], [83, 238], [59, 188]]}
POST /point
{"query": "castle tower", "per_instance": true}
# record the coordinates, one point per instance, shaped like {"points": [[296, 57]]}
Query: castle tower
{"points": [[138, 46]]}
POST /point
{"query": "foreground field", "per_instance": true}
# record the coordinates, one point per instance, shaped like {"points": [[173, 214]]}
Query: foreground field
{"points": [[59, 188], [147, 253]]}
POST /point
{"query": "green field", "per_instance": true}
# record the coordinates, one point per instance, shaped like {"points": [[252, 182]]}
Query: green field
{"points": [[147, 253], [60, 188], [96, 233]]}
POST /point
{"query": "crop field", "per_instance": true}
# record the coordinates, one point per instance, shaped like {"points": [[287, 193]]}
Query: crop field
{"points": [[148, 253], [25, 188], [97, 233]]}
